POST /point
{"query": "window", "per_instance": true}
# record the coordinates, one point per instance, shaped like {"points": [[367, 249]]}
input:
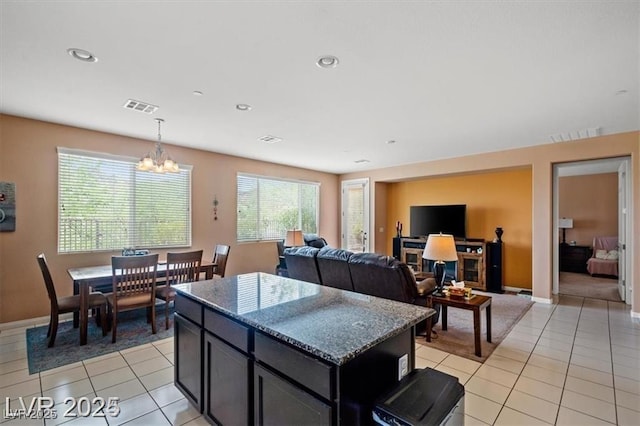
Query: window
{"points": [[268, 207], [106, 204]]}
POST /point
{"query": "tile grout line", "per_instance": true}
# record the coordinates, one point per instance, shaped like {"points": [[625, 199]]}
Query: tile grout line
{"points": [[520, 373], [145, 387]]}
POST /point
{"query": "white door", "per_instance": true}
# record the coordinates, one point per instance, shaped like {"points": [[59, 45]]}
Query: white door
{"points": [[625, 293], [355, 215]]}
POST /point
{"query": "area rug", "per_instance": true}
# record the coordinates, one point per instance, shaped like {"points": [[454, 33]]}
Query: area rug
{"points": [[133, 330], [584, 285], [458, 339]]}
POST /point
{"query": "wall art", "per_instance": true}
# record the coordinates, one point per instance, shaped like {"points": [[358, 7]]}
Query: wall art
{"points": [[7, 206]]}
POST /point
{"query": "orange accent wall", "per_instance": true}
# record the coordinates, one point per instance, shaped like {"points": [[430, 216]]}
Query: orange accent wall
{"points": [[491, 202], [592, 202], [541, 159]]}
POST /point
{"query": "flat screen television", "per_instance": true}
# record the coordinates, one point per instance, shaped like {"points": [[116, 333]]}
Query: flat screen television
{"points": [[448, 219]]}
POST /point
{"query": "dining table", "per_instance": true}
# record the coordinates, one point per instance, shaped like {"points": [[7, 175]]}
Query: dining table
{"points": [[100, 278]]}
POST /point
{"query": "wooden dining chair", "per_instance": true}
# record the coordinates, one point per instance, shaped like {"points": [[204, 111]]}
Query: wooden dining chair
{"points": [[220, 255], [181, 268], [65, 304], [134, 286]]}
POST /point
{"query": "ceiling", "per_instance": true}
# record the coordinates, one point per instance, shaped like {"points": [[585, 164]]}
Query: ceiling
{"points": [[441, 79]]}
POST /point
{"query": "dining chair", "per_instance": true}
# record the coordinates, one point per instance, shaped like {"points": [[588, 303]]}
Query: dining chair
{"points": [[181, 268], [65, 304], [220, 255], [134, 286]]}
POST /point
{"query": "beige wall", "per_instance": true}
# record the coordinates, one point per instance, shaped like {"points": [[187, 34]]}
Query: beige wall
{"points": [[592, 202], [22, 293], [540, 159], [380, 219], [490, 201], [28, 157]]}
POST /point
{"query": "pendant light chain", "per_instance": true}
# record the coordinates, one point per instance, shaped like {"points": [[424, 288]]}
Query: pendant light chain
{"points": [[158, 161]]}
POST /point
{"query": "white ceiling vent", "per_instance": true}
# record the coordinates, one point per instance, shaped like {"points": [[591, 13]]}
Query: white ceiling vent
{"points": [[140, 106], [591, 132], [270, 139]]}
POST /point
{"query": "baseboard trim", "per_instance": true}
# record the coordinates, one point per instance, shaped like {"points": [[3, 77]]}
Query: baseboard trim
{"points": [[635, 314], [542, 300], [32, 322], [514, 289]]}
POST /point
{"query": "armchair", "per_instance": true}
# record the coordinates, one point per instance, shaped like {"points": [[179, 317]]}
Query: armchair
{"points": [[604, 260]]}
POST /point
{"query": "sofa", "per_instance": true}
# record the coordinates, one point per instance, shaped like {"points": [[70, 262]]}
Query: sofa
{"points": [[314, 240], [366, 273]]}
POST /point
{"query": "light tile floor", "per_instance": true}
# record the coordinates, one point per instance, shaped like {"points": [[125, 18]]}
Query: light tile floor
{"points": [[576, 362]]}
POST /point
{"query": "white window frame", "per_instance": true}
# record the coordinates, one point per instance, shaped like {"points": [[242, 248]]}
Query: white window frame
{"points": [[132, 234], [258, 236]]}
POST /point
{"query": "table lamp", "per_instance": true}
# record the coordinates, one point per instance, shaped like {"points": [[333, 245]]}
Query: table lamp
{"points": [[294, 238], [440, 248], [565, 224]]}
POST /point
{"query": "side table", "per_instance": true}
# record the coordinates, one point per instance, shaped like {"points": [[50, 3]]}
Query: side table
{"points": [[475, 304], [574, 258]]}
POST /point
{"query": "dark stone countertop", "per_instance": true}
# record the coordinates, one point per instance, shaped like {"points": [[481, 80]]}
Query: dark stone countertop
{"points": [[332, 324]]}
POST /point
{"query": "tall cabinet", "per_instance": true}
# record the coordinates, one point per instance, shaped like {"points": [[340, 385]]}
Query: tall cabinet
{"points": [[494, 267]]}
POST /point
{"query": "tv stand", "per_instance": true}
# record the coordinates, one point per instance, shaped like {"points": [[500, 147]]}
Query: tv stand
{"points": [[471, 265]]}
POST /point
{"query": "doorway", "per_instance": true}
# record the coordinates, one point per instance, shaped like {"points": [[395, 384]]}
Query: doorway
{"points": [[355, 215], [590, 200]]}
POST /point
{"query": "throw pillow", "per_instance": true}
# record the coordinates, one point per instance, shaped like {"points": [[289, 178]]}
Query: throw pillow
{"points": [[612, 255], [601, 254]]}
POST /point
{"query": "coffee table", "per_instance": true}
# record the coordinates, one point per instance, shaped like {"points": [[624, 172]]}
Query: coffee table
{"points": [[476, 303]]}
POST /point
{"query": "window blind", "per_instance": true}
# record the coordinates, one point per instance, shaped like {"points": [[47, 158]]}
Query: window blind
{"points": [[106, 204], [268, 207]]}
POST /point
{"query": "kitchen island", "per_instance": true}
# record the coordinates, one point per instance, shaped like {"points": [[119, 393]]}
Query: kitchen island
{"points": [[264, 349]]}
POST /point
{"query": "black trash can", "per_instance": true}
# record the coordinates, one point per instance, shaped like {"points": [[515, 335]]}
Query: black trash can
{"points": [[423, 397]]}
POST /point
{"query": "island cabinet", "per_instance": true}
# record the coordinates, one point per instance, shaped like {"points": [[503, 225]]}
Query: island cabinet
{"points": [[227, 370], [284, 351], [188, 337]]}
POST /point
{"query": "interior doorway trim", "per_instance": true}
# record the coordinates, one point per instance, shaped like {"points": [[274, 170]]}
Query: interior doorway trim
{"points": [[589, 167]]}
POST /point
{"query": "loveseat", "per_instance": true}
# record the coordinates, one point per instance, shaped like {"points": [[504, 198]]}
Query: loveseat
{"points": [[366, 273]]}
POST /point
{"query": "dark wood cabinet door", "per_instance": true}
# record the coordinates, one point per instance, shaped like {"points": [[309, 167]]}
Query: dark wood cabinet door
{"points": [[278, 402], [574, 258], [188, 359], [227, 383]]}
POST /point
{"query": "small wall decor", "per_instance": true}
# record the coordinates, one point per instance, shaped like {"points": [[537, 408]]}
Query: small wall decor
{"points": [[7, 206], [215, 207], [399, 229]]}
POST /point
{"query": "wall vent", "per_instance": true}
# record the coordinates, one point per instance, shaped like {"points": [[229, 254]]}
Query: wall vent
{"points": [[145, 107], [270, 139], [591, 132]]}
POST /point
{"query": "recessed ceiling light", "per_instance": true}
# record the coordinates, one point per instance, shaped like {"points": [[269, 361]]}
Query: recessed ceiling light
{"points": [[391, 142], [243, 107], [622, 92], [327, 61], [197, 93], [81, 55], [361, 161]]}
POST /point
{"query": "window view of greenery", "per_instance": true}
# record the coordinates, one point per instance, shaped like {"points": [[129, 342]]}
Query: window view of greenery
{"points": [[268, 207], [105, 204]]}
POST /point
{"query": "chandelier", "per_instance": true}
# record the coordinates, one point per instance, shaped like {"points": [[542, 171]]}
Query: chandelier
{"points": [[158, 161]]}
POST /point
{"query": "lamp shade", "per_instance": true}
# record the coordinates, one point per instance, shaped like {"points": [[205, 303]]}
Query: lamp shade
{"points": [[565, 223], [440, 247], [294, 238]]}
